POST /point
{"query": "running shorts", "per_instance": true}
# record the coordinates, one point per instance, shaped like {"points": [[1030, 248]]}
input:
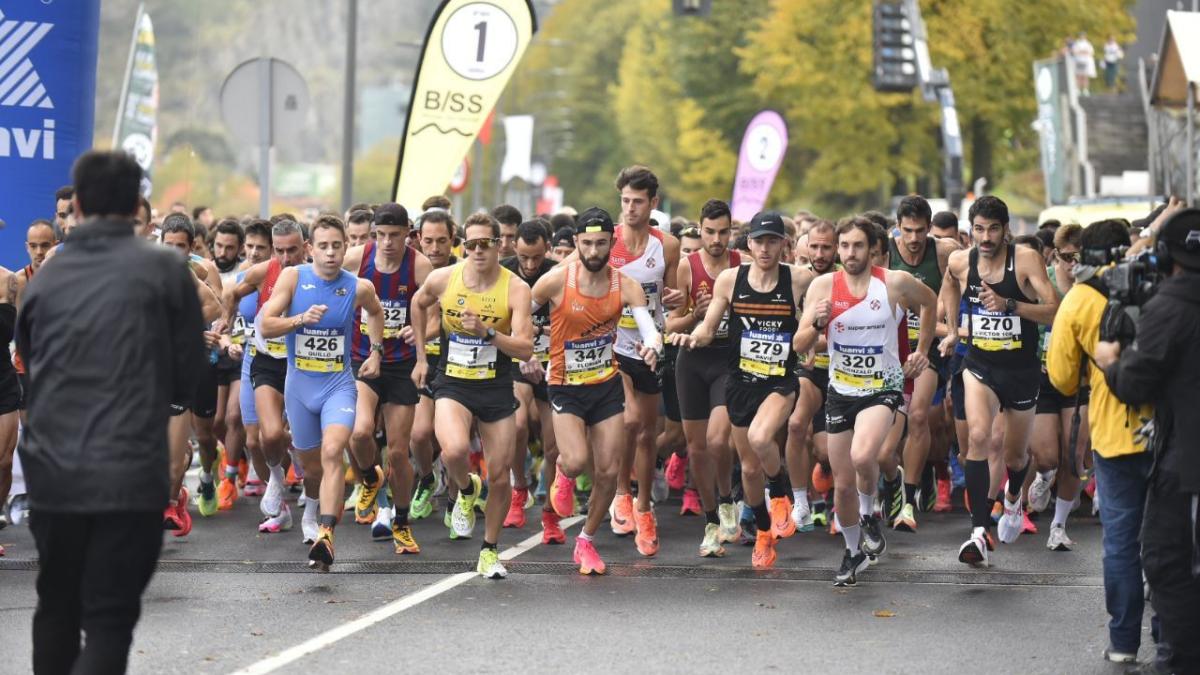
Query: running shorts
{"points": [[842, 411], [246, 394], [743, 400], [819, 377], [1017, 389], [1051, 401], [592, 403], [669, 406], [701, 377], [489, 402], [268, 372], [313, 403], [10, 392], [394, 383], [644, 379]]}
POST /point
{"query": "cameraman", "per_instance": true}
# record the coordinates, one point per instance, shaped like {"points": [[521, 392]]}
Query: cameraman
{"points": [[1122, 462], [1162, 367]]}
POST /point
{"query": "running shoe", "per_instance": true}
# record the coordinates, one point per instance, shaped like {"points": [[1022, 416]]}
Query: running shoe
{"points": [[1115, 656], [295, 474], [646, 538], [781, 518], [587, 558], [18, 508], [763, 557], [562, 497], [280, 522], [802, 517], [308, 520], [974, 551], [516, 509], [352, 498], [243, 473], [676, 471], [366, 506], [906, 521], [462, 518], [927, 489], [171, 520], [729, 529], [320, 556], [489, 566], [820, 516], [1011, 523], [583, 483], [403, 541], [944, 490], [711, 546], [446, 522], [891, 495], [852, 564], [272, 498], [958, 479], [254, 488], [1039, 493], [1059, 541], [206, 501], [381, 528], [873, 543], [182, 515], [659, 491], [621, 512], [822, 479], [997, 510], [747, 524], [1027, 524], [227, 494], [552, 532], [691, 504], [422, 501], [481, 496]]}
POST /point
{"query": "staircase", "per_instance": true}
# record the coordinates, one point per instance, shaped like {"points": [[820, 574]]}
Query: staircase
{"points": [[1116, 133]]}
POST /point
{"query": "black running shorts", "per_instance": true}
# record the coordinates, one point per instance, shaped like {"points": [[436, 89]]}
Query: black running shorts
{"points": [[1051, 401], [488, 402], [669, 407], [818, 377], [1017, 389], [701, 378], [743, 400], [10, 392], [433, 361], [592, 403], [645, 380], [228, 371], [268, 372], [394, 383], [842, 411]]}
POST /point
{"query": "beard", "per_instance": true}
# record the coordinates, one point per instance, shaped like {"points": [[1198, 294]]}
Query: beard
{"points": [[595, 264], [224, 265], [854, 266]]}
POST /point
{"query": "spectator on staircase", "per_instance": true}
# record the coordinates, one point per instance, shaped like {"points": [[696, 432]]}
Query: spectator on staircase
{"points": [[1085, 63], [1112, 61]]}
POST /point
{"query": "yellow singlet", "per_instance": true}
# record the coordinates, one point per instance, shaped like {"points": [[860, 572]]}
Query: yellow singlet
{"points": [[465, 356]]}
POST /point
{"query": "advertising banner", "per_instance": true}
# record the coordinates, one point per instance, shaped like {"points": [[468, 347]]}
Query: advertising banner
{"points": [[763, 148]]}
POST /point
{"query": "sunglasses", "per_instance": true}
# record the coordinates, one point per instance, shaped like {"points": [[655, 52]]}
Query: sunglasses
{"points": [[690, 232], [480, 244], [1071, 258]]}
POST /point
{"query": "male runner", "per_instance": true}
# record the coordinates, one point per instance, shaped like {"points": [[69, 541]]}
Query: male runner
{"points": [[702, 376], [761, 299], [585, 297], [228, 239], [923, 257], [39, 241], [861, 308], [649, 257], [315, 306], [1002, 369], [359, 228], [530, 264], [510, 219], [10, 389], [395, 271], [268, 372], [485, 324]]}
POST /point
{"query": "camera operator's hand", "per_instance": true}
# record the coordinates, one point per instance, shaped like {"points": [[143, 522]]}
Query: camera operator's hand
{"points": [[1106, 353], [991, 300], [1174, 205]]}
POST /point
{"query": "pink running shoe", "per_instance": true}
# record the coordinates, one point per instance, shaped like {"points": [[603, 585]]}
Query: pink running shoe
{"points": [[676, 472], [587, 558], [1027, 525], [254, 488], [279, 523], [691, 504], [562, 495]]}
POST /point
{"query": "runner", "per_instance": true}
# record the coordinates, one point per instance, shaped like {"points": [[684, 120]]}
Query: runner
{"points": [[485, 323], [510, 219], [360, 228], [39, 241], [924, 257], [228, 240], [702, 376], [314, 306], [761, 299], [395, 271], [10, 388], [1002, 360], [529, 264], [861, 310], [586, 297], [268, 375], [649, 257]]}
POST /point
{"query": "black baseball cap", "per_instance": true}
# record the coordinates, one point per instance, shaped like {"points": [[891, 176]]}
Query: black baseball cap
{"points": [[1181, 233], [766, 223], [594, 219], [391, 213]]}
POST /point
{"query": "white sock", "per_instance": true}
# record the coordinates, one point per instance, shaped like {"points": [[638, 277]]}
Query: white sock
{"points": [[866, 505], [1048, 475], [585, 536], [206, 476], [851, 535], [1062, 509], [800, 497], [277, 472]]}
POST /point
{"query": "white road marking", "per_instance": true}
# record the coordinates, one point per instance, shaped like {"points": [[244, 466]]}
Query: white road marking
{"points": [[291, 654]]}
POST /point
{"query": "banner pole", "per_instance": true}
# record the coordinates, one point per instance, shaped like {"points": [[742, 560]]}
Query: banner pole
{"points": [[123, 100]]}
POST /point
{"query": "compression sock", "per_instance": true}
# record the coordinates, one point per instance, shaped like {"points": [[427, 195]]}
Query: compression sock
{"points": [[725, 499], [712, 517], [762, 517], [327, 521], [777, 485], [469, 490], [400, 518], [487, 546], [910, 493], [976, 473], [369, 476], [1016, 479], [1062, 509]]}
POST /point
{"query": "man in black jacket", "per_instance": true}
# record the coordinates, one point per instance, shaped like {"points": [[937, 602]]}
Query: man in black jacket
{"points": [[111, 332], [1163, 367]]}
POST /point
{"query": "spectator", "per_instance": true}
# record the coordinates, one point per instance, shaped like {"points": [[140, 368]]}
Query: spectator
{"points": [[1112, 61], [1085, 63]]}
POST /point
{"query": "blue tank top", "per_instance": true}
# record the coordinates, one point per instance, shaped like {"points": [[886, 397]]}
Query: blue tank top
{"points": [[242, 331], [324, 348]]}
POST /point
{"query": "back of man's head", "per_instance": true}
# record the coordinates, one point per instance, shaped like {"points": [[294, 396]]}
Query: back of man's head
{"points": [[1105, 234], [107, 184]]}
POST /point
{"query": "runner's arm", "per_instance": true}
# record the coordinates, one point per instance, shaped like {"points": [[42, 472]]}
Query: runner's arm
{"points": [[249, 284], [210, 304], [1042, 311], [816, 304], [274, 323], [519, 343], [672, 296], [427, 295], [683, 317], [548, 289], [702, 334], [950, 297], [916, 296], [366, 298], [633, 296], [353, 259]]}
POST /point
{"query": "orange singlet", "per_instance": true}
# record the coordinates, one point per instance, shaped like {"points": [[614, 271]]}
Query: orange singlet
{"points": [[582, 333]]}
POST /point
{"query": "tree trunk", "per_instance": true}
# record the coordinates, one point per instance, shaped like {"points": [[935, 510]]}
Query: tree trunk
{"points": [[981, 153]]}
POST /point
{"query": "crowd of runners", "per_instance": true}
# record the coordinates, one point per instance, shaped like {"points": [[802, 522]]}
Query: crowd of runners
{"points": [[786, 375]]}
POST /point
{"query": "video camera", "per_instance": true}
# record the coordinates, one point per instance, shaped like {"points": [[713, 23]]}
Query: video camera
{"points": [[1131, 282]]}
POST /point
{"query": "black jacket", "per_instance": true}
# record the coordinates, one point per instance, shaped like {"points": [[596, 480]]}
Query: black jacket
{"points": [[111, 332], [1163, 367]]}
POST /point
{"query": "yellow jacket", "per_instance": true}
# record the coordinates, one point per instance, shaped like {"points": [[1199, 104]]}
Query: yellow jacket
{"points": [[1075, 332]]}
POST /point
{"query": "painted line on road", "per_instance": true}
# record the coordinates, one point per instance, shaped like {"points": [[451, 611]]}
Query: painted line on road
{"points": [[391, 609]]}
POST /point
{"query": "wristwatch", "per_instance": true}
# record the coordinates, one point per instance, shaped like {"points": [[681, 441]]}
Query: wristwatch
{"points": [[377, 347], [491, 334], [1010, 305]]}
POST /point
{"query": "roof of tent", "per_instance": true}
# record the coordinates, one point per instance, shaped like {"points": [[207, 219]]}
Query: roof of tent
{"points": [[1178, 59]]}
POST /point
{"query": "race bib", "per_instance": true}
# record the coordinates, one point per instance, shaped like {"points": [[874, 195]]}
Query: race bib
{"points": [[821, 360], [276, 347], [589, 360], [995, 332], [470, 358], [722, 328], [765, 354], [859, 367], [627, 320], [433, 347], [237, 334], [395, 315], [541, 347], [914, 327], [320, 350]]}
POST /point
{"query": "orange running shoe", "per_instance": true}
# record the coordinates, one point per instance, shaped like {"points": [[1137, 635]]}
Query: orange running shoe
{"points": [[647, 533], [782, 525], [243, 472], [587, 558], [552, 532], [292, 478], [764, 556], [822, 481], [179, 521], [562, 497], [622, 515], [516, 510], [227, 494], [691, 504], [944, 489]]}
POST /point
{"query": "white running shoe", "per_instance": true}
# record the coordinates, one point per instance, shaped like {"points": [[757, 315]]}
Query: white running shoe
{"points": [[729, 529], [462, 516], [1011, 523], [659, 490], [1059, 541], [352, 499], [381, 529], [278, 523], [974, 551], [308, 522], [272, 499], [1039, 492], [802, 517]]}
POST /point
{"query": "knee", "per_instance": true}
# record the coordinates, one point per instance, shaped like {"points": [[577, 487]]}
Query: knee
{"points": [[918, 416], [362, 435], [863, 461], [752, 471], [605, 475], [980, 439], [498, 480], [633, 421], [760, 441]]}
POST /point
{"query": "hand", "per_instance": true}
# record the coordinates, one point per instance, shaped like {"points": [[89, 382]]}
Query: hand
{"points": [[420, 370], [369, 370], [312, 315], [472, 324], [407, 335], [212, 339], [810, 360], [915, 365], [990, 300], [532, 370], [702, 303], [649, 355], [684, 340], [822, 311], [671, 298], [219, 326], [235, 352], [946, 348], [1174, 205], [1107, 353]]}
